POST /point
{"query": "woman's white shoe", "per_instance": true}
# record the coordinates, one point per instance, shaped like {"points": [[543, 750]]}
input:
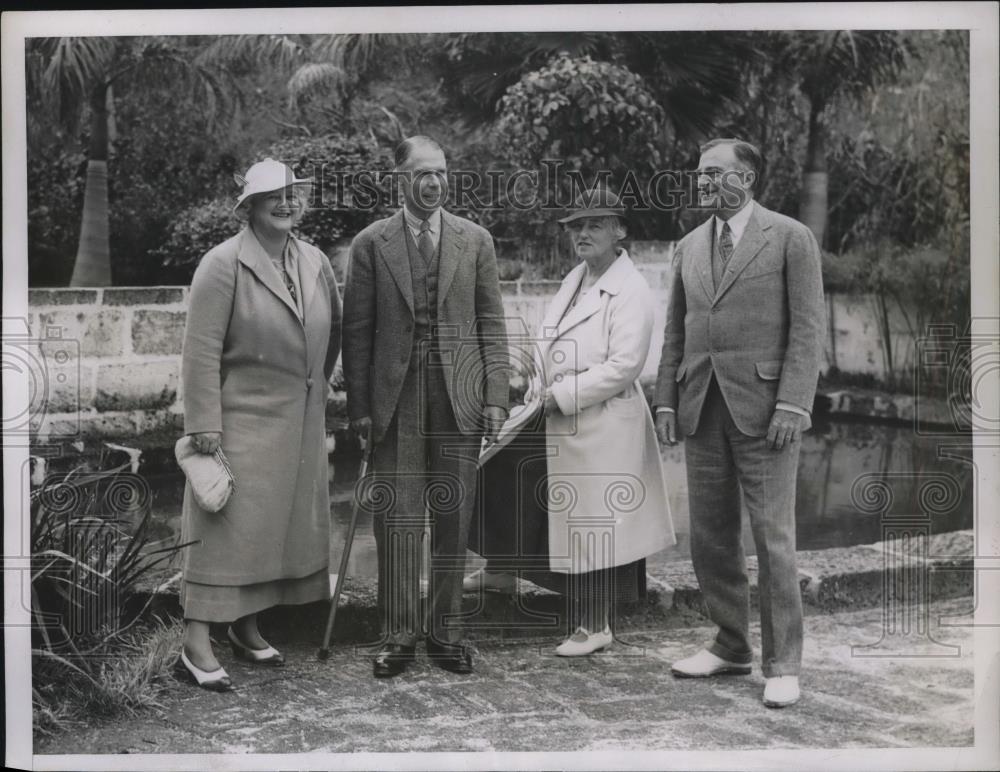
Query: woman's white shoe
{"points": [[268, 656], [215, 681], [581, 643]]}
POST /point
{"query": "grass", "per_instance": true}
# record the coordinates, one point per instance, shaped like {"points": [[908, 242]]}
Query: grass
{"points": [[91, 545], [127, 680]]}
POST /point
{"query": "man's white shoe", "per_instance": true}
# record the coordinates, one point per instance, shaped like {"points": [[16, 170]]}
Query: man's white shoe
{"points": [[581, 643], [705, 663], [781, 691], [484, 580]]}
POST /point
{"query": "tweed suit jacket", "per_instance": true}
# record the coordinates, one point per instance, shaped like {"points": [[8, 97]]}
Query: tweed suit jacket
{"points": [[760, 331], [378, 332]]}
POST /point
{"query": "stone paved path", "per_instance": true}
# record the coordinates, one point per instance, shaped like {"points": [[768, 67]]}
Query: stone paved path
{"points": [[523, 699]]}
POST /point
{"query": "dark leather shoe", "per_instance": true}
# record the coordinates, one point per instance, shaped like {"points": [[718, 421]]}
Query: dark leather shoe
{"points": [[450, 656], [392, 660]]}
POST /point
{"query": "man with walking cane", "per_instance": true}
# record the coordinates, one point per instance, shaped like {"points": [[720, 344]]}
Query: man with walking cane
{"points": [[426, 366]]}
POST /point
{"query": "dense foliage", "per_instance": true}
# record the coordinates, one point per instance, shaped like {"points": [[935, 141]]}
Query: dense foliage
{"points": [[893, 109], [343, 201]]}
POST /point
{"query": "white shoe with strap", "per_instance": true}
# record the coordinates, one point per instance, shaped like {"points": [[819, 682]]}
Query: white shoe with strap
{"points": [[581, 643]]}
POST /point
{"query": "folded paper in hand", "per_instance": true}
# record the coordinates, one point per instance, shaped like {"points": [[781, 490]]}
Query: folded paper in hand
{"points": [[211, 479], [520, 416]]}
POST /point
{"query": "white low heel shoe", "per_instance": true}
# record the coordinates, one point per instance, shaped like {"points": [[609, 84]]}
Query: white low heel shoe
{"points": [[269, 656], [216, 681], [581, 643]]}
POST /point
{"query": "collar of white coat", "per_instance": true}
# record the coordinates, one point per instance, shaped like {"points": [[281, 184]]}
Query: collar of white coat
{"points": [[610, 281]]}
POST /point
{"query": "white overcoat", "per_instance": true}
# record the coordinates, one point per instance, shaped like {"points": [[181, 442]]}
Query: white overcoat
{"points": [[607, 497]]}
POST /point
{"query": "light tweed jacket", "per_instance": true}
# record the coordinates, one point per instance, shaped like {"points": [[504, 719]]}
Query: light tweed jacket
{"points": [[761, 331]]}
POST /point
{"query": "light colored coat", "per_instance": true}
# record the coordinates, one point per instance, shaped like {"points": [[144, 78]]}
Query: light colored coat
{"points": [[760, 332], [607, 498], [253, 370]]}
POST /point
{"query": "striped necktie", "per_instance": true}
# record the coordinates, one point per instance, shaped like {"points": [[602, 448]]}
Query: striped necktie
{"points": [[425, 242], [726, 243]]}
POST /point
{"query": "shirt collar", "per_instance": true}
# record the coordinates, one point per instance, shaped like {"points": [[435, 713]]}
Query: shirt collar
{"points": [[737, 223], [414, 222]]}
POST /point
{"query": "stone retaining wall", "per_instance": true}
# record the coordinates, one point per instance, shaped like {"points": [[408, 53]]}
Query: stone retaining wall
{"points": [[108, 360]]}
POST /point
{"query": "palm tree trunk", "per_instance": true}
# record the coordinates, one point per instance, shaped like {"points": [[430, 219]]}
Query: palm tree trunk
{"points": [[92, 267], [812, 209]]}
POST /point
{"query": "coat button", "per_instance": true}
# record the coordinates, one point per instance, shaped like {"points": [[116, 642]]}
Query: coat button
{"points": [[309, 383]]}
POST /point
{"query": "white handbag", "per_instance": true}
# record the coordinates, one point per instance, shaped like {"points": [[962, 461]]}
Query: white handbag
{"points": [[211, 479]]}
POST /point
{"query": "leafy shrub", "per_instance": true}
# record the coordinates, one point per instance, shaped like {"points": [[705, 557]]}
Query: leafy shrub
{"points": [[594, 117], [195, 231], [331, 217]]}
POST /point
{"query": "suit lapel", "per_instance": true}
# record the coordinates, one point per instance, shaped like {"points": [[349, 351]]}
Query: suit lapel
{"points": [[750, 245], [253, 256], [451, 249], [702, 248], [396, 258]]}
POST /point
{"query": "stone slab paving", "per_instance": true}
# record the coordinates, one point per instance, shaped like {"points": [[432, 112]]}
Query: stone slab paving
{"points": [[522, 698]]}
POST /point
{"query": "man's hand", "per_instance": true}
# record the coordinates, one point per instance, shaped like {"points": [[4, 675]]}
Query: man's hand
{"points": [[493, 419], [666, 427], [786, 427], [206, 442], [361, 427]]}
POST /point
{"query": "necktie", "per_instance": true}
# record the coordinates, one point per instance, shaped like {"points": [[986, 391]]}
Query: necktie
{"points": [[726, 243], [425, 244]]}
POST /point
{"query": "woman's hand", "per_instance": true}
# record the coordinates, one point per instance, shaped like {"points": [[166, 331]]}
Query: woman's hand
{"points": [[206, 442], [550, 405]]}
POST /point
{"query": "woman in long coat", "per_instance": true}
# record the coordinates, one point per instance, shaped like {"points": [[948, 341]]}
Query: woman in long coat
{"points": [[262, 337], [607, 501]]}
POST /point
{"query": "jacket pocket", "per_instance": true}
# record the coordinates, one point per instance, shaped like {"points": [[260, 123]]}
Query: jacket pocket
{"points": [[769, 371], [626, 403]]}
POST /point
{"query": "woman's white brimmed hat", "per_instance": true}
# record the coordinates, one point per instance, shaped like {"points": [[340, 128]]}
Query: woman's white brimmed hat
{"points": [[264, 177]]}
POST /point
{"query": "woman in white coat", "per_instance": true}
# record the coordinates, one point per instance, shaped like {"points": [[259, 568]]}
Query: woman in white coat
{"points": [[607, 498]]}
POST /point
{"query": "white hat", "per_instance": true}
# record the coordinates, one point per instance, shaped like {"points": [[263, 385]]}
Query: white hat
{"points": [[264, 177]]}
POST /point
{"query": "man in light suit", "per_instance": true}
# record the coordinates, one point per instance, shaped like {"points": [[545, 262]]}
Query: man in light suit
{"points": [[738, 372], [426, 365]]}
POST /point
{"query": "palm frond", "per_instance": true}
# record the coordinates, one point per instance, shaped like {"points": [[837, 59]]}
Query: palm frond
{"points": [[280, 51], [313, 77]]}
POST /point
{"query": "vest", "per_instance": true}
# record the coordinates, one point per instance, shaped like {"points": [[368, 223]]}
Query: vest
{"points": [[425, 285]]}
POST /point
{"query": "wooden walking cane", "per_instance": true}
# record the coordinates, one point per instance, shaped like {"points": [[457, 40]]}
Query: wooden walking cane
{"points": [[324, 652]]}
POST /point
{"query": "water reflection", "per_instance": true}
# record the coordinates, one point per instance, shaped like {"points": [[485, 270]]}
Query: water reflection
{"points": [[833, 456]]}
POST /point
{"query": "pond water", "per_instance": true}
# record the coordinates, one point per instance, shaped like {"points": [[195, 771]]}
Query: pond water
{"points": [[833, 457]]}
